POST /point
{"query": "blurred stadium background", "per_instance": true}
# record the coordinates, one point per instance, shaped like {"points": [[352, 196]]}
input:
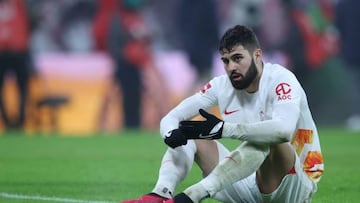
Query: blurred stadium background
{"points": [[71, 54], [71, 88]]}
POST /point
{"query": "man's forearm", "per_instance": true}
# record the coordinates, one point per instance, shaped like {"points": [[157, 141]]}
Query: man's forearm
{"points": [[264, 132]]}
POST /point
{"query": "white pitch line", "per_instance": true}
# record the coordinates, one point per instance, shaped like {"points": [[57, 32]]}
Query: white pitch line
{"points": [[43, 198]]}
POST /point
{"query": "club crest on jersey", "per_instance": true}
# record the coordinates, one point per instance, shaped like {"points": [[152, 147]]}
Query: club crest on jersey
{"points": [[205, 88], [283, 91]]}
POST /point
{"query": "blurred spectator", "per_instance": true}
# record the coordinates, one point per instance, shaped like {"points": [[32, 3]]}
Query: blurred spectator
{"points": [[63, 25], [76, 21], [160, 16], [304, 31], [244, 12], [347, 13], [198, 25], [14, 55], [304, 34], [120, 30], [46, 34]]}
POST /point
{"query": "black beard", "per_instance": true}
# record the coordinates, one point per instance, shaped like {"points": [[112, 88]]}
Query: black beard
{"points": [[248, 78]]}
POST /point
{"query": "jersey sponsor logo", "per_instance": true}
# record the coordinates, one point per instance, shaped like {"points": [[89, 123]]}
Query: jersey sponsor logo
{"points": [[205, 88], [226, 112], [283, 91]]}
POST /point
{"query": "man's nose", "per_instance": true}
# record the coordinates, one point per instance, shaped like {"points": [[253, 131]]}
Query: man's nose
{"points": [[232, 66]]}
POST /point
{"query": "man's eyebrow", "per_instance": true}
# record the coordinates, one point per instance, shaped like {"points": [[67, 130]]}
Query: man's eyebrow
{"points": [[237, 54]]}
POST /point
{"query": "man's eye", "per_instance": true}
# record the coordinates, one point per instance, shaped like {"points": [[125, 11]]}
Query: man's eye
{"points": [[225, 61], [237, 58]]}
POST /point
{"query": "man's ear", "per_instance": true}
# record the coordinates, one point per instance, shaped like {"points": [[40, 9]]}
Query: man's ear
{"points": [[258, 55]]}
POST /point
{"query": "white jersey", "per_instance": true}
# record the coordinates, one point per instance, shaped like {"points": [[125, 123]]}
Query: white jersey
{"points": [[278, 89]]}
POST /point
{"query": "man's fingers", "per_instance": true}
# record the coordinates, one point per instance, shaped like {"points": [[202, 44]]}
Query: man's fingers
{"points": [[190, 127], [175, 139], [189, 123], [204, 114]]}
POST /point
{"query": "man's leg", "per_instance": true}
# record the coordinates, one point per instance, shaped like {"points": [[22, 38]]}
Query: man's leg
{"points": [[279, 163], [207, 155], [240, 163], [282, 178], [176, 164], [207, 158]]}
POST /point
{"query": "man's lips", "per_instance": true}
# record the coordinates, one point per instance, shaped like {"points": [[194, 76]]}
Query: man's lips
{"points": [[236, 76]]}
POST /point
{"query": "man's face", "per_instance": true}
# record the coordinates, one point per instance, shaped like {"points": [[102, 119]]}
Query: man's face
{"points": [[240, 67]]}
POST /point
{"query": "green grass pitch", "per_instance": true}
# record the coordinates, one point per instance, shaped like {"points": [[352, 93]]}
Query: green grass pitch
{"points": [[115, 167]]}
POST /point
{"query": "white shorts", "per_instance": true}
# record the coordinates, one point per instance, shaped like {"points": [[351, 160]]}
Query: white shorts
{"points": [[294, 188]]}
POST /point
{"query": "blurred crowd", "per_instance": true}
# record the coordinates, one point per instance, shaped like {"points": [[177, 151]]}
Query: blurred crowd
{"points": [[316, 39]]}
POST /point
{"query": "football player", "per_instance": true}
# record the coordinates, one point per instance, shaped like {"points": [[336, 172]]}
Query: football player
{"points": [[261, 104]]}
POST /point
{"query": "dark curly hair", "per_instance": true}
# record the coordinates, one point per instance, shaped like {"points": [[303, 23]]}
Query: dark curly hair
{"points": [[239, 35]]}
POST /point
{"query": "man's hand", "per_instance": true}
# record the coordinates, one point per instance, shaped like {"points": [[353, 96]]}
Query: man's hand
{"points": [[210, 129], [175, 138]]}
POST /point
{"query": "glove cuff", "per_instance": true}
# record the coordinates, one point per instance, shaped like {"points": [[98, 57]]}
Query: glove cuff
{"points": [[217, 128]]}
